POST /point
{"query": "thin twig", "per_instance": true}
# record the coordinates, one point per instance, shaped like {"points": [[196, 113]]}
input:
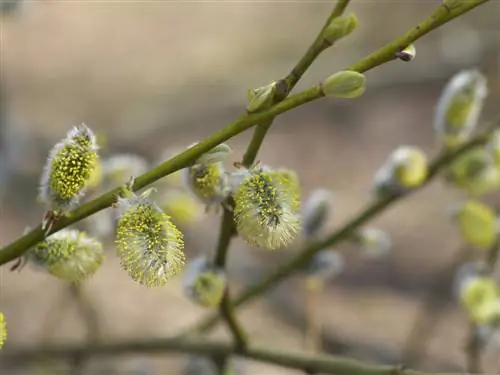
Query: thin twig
{"points": [[310, 363], [225, 308], [184, 159]]}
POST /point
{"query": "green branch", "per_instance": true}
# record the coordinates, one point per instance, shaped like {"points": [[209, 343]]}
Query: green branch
{"points": [[294, 360], [386, 53], [371, 211]]}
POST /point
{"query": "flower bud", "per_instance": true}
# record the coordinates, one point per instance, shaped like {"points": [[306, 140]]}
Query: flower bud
{"points": [[474, 172], [3, 330], [345, 84], [267, 204], [407, 54], [476, 222], [373, 242], [262, 97], [208, 182], [340, 27], [204, 283], [69, 255], [68, 170], [477, 296], [459, 107], [325, 264], [406, 168], [149, 245], [315, 212]]}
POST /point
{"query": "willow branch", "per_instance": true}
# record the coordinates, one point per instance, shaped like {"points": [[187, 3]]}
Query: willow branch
{"points": [[438, 18], [370, 212], [307, 363]]}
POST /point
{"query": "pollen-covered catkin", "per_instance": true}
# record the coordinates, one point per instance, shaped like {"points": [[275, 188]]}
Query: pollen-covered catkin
{"points": [[69, 254], [149, 245], [207, 178], [267, 204], [68, 170]]}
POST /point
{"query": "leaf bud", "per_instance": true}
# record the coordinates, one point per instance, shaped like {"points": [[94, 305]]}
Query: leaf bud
{"points": [[340, 27], [261, 97], [345, 84], [325, 264]]}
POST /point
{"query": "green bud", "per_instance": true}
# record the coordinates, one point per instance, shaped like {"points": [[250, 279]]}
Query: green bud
{"points": [[340, 27], [261, 97], [345, 84]]}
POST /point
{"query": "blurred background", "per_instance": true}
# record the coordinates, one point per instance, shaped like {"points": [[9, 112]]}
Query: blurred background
{"points": [[155, 76]]}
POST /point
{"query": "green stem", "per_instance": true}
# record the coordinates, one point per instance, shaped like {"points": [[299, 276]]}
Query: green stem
{"points": [[384, 54], [309, 363], [370, 212]]}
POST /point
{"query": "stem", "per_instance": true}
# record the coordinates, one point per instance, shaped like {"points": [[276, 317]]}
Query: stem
{"points": [[307, 363], [370, 212], [184, 159], [226, 309]]}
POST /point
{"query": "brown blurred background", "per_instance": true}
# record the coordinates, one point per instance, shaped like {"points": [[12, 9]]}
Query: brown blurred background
{"points": [[151, 75]]}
